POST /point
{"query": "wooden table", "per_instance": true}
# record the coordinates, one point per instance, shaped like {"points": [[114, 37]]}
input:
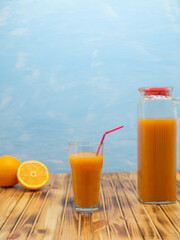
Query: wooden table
{"points": [[48, 214]]}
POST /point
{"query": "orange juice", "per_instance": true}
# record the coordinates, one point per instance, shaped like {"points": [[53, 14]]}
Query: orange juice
{"points": [[157, 159], [86, 171]]}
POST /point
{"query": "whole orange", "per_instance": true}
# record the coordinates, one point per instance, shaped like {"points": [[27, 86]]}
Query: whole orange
{"points": [[8, 171]]}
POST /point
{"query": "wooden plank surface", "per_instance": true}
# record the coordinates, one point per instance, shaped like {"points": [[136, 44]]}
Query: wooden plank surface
{"points": [[159, 218], [48, 213]]}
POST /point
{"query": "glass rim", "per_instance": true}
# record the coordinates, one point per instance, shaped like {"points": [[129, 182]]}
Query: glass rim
{"points": [[85, 144]]}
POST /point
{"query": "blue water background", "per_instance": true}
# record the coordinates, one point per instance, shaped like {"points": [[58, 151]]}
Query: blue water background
{"points": [[70, 70]]}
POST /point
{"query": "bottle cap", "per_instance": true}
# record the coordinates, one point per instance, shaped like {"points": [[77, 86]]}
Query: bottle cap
{"points": [[163, 91]]}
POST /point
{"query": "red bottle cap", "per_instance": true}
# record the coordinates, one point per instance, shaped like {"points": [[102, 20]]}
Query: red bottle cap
{"points": [[163, 91]]}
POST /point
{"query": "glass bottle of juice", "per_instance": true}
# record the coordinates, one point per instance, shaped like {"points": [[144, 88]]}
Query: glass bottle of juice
{"points": [[157, 127]]}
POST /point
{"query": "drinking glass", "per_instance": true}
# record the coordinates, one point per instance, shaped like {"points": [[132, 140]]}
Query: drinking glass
{"points": [[86, 169]]}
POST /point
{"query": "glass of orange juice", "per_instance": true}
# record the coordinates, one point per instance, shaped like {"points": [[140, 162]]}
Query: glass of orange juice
{"points": [[86, 169]]}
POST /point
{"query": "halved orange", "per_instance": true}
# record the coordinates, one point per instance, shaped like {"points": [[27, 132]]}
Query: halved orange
{"points": [[32, 174]]}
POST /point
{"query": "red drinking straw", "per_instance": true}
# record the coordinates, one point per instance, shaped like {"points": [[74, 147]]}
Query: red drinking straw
{"points": [[112, 130]]}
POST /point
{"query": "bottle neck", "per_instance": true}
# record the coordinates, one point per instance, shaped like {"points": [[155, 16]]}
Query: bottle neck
{"points": [[156, 102]]}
